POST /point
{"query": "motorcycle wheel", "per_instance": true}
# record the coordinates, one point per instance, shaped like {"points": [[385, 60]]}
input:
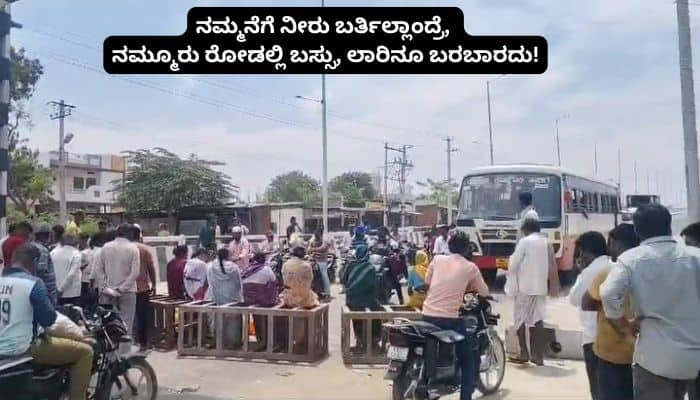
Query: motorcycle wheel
{"points": [[123, 386], [493, 366], [402, 382]]}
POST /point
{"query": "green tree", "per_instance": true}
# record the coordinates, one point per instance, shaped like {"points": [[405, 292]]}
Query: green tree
{"points": [[355, 187], [438, 191], [293, 186], [28, 182], [158, 180], [25, 73]]}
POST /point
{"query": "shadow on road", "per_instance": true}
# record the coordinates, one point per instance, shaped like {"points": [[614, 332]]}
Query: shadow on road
{"points": [[548, 371]]}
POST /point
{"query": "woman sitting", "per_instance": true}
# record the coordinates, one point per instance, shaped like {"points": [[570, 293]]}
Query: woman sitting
{"points": [[360, 294], [416, 281], [260, 290], [298, 276], [225, 287]]}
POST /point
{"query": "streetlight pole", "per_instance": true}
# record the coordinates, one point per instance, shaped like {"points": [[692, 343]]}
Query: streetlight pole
{"points": [[448, 191], [488, 101], [556, 126], [64, 110], [325, 150], [690, 134]]}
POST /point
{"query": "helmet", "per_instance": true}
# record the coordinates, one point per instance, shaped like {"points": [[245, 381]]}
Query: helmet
{"points": [[375, 259]]}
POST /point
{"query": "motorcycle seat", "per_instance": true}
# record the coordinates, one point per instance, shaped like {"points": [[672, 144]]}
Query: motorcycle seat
{"points": [[447, 336], [7, 363], [425, 328]]}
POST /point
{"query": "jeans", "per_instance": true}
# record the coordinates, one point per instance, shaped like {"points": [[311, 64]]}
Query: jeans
{"points": [[323, 268], [467, 354], [648, 386], [614, 381], [592, 361], [53, 351]]}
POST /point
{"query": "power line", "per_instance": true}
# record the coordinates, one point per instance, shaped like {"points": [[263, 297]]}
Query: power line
{"points": [[241, 89]]}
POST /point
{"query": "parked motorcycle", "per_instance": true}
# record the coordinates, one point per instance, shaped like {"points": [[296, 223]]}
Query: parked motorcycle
{"points": [[117, 371], [423, 363]]}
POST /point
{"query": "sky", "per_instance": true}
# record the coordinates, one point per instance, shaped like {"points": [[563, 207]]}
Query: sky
{"points": [[613, 68]]}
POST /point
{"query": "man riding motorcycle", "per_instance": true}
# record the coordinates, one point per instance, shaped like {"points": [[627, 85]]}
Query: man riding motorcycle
{"points": [[24, 307], [388, 248]]}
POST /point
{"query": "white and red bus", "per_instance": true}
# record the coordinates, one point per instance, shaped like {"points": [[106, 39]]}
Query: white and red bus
{"points": [[567, 203]]}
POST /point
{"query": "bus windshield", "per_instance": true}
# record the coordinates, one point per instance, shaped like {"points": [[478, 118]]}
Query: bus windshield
{"points": [[495, 196]]}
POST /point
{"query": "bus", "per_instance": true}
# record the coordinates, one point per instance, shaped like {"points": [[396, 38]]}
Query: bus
{"points": [[567, 203], [635, 201]]}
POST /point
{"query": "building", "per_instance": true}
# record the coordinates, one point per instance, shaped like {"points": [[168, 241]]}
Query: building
{"points": [[90, 180]]}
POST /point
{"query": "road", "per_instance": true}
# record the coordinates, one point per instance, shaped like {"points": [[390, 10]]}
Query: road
{"points": [[331, 380]]}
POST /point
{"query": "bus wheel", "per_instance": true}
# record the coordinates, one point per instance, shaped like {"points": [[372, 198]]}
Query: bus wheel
{"points": [[489, 276]]}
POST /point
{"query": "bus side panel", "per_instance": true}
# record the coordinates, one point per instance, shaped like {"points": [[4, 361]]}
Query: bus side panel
{"points": [[578, 224]]}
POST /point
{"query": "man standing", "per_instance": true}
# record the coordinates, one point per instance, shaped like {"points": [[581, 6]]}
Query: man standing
{"points": [[440, 246], [207, 235], [319, 248], [612, 348], [67, 261], [531, 268], [117, 267], [662, 278], [239, 248], [527, 210], [143, 290], [292, 229], [86, 253], [10, 230], [44, 269], [21, 235], [591, 259]]}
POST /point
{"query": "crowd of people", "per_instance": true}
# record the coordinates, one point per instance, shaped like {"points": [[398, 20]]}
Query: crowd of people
{"points": [[638, 291]]}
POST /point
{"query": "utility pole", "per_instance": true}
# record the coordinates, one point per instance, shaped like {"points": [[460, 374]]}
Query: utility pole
{"points": [[636, 191], [556, 128], [63, 110], [326, 228], [690, 135], [6, 24], [488, 101], [619, 169], [403, 164], [386, 183], [648, 183], [450, 150]]}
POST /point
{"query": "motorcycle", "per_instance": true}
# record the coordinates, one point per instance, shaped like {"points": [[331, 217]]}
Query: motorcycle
{"points": [[381, 269], [112, 366], [277, 260], [422, 357]]}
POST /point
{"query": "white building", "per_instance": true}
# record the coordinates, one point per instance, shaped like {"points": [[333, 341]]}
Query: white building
{"points": [[89, 180]]}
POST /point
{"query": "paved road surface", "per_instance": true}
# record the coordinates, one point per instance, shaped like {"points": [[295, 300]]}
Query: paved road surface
{"points": [[331, 380]]}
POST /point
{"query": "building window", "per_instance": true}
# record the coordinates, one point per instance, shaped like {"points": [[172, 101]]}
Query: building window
{"points": [[78, 183], [90, 182], [97, 193]]}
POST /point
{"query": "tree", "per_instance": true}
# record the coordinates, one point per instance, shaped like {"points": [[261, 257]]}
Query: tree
{"points": [[24, 76], [29, 182], [355, 186], [294, 186], [158, 180], [438, 191]]}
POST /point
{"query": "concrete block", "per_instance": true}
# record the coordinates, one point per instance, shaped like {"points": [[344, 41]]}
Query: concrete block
{"points": [[570, 341]]}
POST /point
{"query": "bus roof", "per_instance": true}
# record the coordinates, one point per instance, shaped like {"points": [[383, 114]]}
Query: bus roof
{"points": [[533, 168]]}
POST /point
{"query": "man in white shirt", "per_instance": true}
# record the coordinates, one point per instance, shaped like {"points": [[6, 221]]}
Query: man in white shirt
{"points": [[532, 274], [591, 259], [440, 246], [527, 210], [67, 261], [117, 266]]}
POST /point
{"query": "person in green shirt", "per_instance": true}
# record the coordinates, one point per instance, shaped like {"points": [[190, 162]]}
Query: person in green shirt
{"points": [[360, 293]]}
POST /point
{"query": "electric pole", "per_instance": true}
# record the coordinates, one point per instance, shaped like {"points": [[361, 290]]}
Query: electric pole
{"points": [[63, 110], [595, 160], [619, 169], [6, 24], [690, 137], [403, 166], [450, 150], [635, 178]]}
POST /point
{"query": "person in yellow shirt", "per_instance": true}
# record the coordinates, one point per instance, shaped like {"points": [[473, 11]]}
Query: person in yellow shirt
{"points": [[613, 347], [416, 281]]}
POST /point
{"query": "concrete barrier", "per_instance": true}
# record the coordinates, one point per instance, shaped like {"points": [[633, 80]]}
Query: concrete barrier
{"points": [[570, 340]]}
